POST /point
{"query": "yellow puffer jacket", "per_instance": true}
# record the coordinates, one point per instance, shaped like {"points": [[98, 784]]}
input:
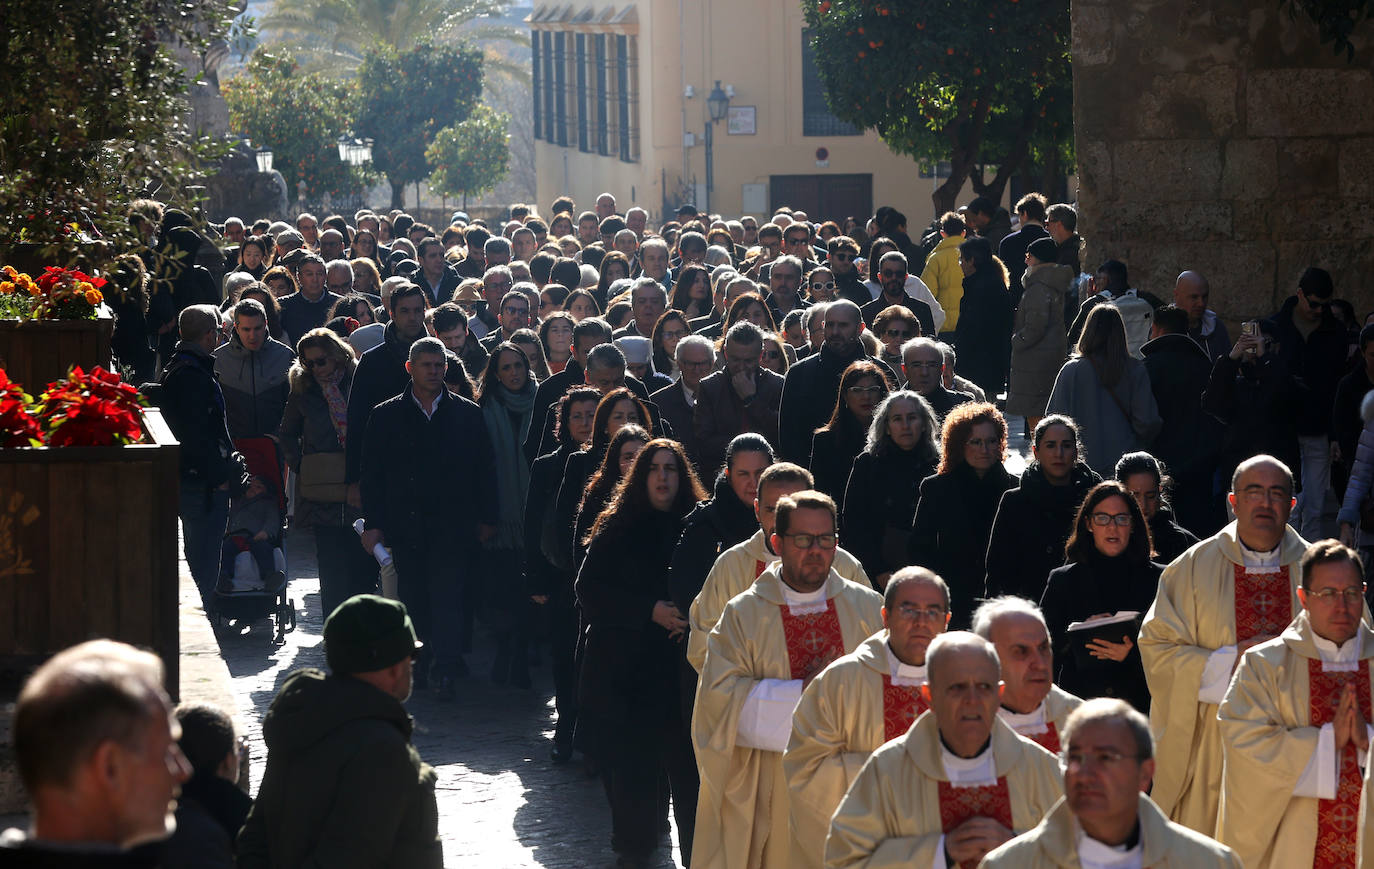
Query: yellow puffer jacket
{"points": [[945, 279]]}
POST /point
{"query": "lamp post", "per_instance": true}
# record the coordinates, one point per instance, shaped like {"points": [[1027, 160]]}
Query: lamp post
{"points": [[717, 103], [264, 158]]}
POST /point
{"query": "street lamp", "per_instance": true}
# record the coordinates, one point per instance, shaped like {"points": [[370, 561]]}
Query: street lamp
{"points": [[354, 152], [264, 157], [345, 146], [717, 104]]}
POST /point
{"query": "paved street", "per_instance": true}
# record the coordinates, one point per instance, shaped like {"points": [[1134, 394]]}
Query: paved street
{"points": [[502, 803]]}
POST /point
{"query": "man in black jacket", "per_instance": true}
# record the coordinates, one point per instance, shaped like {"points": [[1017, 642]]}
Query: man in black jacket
{"points": [[1190, 439], [420, 449], [1030, 210], [892, 275], [849, 284], [193, 406], [436, 277]]}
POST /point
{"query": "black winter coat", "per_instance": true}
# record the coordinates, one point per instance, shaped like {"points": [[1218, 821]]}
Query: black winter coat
{"points": [[949, 534], [629, 681], [1033, 524], [1260, 403], [711, 528], [880, 504], [983, 335], [832, 457], [808, 397], [1091, 587], [1320, 360], [193, 406], [541, 576], [1188, 441], [1170, 538], [413, 468]]}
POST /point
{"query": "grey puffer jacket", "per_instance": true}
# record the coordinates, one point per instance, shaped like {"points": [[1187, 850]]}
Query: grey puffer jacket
{"points": [[254, 385]]}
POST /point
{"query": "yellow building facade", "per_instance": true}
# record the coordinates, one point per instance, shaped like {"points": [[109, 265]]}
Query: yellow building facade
{"points": [[621, 106]]}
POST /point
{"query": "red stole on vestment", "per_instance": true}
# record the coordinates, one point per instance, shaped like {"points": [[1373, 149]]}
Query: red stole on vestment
{"points": [[1264, 603], [958, 804], [758, 568], [901, 705], [1048, 740], [813, 639], [1338, 820]]}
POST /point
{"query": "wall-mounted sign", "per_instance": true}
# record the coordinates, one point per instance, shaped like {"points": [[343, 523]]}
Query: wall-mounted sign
{"points": [[741, 121]]}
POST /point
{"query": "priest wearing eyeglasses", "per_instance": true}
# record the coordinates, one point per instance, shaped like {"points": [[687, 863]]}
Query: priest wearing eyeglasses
{"points": [[865, 698], [771, 641], [1295, 728]]}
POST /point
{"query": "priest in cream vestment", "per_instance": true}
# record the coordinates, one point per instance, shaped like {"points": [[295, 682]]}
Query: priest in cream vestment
{"points": [[737, 567], [1032, 704], [869, 696], [771, 641], [1105, 820], [1294, 728], [1224, 595], [957, 784]]}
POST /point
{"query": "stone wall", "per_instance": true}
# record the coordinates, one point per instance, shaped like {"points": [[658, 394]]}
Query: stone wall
{"points": [[1221, 136]]}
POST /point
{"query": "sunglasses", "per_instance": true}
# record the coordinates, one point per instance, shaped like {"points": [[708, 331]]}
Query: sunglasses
{"points": [[317, 362], [842, 255], [823, 285]]}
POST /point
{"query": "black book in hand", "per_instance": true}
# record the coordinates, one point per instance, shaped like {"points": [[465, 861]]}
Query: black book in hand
{"points": [[1110, 628]]}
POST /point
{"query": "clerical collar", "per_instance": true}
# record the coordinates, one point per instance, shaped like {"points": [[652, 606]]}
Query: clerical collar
{"points": [[903, 674], [802, 602], [981, 769], [1256, 558], [1027, 722], [1348, 652], [1093, 854]]}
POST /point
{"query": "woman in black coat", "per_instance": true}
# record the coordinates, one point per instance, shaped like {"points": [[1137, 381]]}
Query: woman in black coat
{"points": [[1035, 519], [880, 501], [1142, 475], [550, 584], [983, 336], [630, 713], [1108, 572], [957, 505], [863, 386]]}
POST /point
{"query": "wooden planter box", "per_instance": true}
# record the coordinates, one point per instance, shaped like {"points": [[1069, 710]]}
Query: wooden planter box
{"points": [[37, 352], [88, 548]]}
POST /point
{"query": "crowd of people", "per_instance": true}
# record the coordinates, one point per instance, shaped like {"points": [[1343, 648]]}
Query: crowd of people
{"points": [[747, 482]]}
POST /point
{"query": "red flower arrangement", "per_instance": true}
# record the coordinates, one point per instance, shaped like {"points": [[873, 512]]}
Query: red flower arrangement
{"points": [[84, 410], [57, 294]]}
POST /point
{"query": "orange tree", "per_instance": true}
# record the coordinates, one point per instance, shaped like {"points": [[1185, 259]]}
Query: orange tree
{"points": [[472, 156], [407, 97], [974, 82], [300, 117]]}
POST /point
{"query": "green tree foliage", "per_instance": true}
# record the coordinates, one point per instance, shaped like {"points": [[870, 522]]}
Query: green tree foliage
{"points": [[972, 82], [299, 116], [92, 116], [407, 97], [335, 35], [470, 157]]}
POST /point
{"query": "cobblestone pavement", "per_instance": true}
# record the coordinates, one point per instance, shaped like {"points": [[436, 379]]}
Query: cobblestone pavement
{"points": [[502, 802]]}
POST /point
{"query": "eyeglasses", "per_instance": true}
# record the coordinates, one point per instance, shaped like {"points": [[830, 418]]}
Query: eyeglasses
{"points": [[1102, 520], [1352, 596], [842, 255], [506, 284], [861, 391], [514, 309], [982, 443], [317, 362], [798, 240], [892, 276], [823, 285], [772, 354], [914, 613], [670, 334], [897, 333], [806, 541], [928, 366], [1259, 494], [339, 288]]}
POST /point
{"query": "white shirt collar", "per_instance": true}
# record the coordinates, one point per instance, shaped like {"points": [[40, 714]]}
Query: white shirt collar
{"points": [[1347, 653], [1025, 723], [689, 394], [969, 771], [903, 674], [1093, 854], [1255, 558], [428, 411], [800, 602]]}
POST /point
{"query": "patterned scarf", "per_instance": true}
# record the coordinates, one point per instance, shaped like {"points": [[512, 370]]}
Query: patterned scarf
{"points": [[338, 404]]}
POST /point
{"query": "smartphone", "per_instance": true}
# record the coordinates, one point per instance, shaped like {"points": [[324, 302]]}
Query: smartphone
{"points": [[1250, 328]]}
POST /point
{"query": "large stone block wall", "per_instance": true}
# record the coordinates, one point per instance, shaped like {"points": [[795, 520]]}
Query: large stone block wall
{"points": [[1222, 136]]}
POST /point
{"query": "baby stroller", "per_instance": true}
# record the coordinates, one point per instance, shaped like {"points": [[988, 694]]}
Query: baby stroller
{"points": [[243, 593]]}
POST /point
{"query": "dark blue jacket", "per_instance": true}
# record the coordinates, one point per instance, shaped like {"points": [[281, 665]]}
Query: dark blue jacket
{"points": [[193, 405]]}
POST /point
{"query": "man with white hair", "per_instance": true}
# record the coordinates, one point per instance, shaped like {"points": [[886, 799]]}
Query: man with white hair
{"points": [[865, 698], [1105, 820], [695, 357], [96, 746], [648, 301], [772, 640], [1229, 593], [605, 206], [636, 220], [956, 785], [1032, 704]]}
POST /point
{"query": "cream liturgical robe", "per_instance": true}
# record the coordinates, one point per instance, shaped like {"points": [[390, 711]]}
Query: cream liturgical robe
{"points": [[734, 571], [747, 693], [1043, 724], [1188, 646], [855, 705], [1059, 843], [1288, 798], [896, 812]]}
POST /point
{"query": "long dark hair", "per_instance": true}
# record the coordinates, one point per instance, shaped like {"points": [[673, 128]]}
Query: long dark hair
{"points": [[682, 297], [565, 403], [840, 417], [631, 498], [1080, 545], [607, 475], [738, 311], [486, 391], [663, 363], [603, 414], [1103, 344], [985, 262]]}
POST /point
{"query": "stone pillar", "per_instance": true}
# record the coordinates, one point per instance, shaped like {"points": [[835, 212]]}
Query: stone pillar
{"points": [[1222, 136]]}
